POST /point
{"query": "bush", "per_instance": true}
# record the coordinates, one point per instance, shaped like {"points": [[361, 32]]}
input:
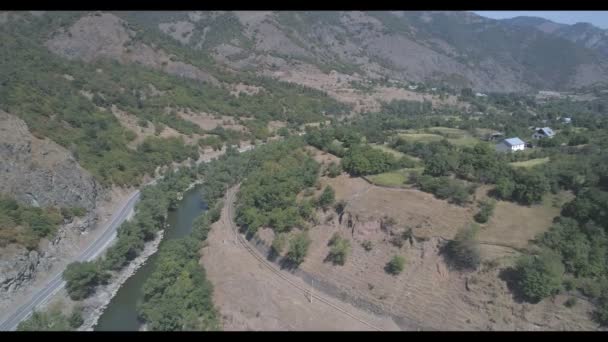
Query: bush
{"points": [[396, 265], [540, 276], [463, 252], [327, 198], [76, 319], [485, 211], [53, 320], [278, 243], [333, 170], [340, 248], [298, 248]]}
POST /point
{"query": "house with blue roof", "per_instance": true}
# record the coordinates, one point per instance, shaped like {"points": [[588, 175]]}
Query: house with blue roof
{"points": [[511, 145]]}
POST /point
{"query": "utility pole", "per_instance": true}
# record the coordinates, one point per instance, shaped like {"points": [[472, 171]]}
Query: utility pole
{"points": [[311, 287]]}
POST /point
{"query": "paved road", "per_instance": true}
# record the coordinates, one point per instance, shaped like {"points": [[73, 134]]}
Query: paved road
{"points": [[95, 249]]}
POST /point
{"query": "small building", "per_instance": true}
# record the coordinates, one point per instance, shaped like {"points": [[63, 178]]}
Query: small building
{"points": [[545, 132], [511, 145], [480, 95], [567, 120], [494, 136]]}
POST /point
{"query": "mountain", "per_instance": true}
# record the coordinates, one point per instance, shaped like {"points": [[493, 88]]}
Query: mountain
{"points": [[583, 34], [458, 48]]}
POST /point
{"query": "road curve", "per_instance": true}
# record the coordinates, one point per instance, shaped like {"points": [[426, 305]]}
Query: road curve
{"points": [[95, 249]]}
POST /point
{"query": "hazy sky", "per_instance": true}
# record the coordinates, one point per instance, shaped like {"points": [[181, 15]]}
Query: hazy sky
{"points": [[597, 18]]}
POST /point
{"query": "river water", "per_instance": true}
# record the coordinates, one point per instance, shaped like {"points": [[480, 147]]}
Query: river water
{"points": [[121, 313]]}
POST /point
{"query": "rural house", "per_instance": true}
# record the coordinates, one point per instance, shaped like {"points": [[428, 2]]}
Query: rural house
{"points": [[544, 132], [511, 145], [567, 120]]}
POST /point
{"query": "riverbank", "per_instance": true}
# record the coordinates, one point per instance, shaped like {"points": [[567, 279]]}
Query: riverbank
{"points": [[104, 295], [95, 305]]}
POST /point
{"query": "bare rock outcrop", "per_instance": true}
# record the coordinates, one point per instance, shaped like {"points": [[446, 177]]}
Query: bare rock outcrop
{"points": [[38, 172]]}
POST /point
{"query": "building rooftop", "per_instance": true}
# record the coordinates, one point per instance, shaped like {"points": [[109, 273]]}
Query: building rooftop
{"points": [[547, 131], [514, 141]]}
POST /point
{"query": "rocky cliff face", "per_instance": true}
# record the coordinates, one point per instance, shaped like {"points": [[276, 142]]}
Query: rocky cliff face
{"points": [[41, 173]]}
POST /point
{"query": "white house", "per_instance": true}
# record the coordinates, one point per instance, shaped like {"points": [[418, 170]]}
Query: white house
{"points": [[511, 145], [567, 120]]}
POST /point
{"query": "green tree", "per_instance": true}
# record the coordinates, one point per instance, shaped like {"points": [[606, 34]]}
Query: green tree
{"points": [[298, 248], [540, 275], [82, 278], [333, 170], [339, 249], [327, 198]]}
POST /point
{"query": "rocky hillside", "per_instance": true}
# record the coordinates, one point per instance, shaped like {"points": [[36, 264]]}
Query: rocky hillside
{"points": [[38, 172], [458, 48], [583, 34]]}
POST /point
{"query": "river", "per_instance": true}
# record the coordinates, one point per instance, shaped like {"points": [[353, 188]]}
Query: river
{"points": [[121, 313]]}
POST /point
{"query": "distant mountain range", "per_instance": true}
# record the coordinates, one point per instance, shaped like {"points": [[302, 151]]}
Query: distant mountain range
{"points": [[460, 49], [584, 34]]}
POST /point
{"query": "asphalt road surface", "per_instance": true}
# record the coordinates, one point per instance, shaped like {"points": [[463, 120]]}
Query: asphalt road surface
{"points": [[95, 249]]}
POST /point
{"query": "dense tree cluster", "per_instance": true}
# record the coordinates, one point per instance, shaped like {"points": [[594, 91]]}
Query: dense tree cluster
{"points": [[177, 295], [361, 160], [268, 195]]}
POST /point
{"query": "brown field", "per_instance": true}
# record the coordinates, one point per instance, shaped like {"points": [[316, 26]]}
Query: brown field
{"points": [[250, 296], [427, 295]]}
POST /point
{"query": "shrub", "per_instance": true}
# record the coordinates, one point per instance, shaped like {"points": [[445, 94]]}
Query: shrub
{"points": [[327, 198], [278, 243], [340, 248], [463, 251], [396, 265], [540, 275], [76, 319], [333, 170], [298, 248], [485, 211]]}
